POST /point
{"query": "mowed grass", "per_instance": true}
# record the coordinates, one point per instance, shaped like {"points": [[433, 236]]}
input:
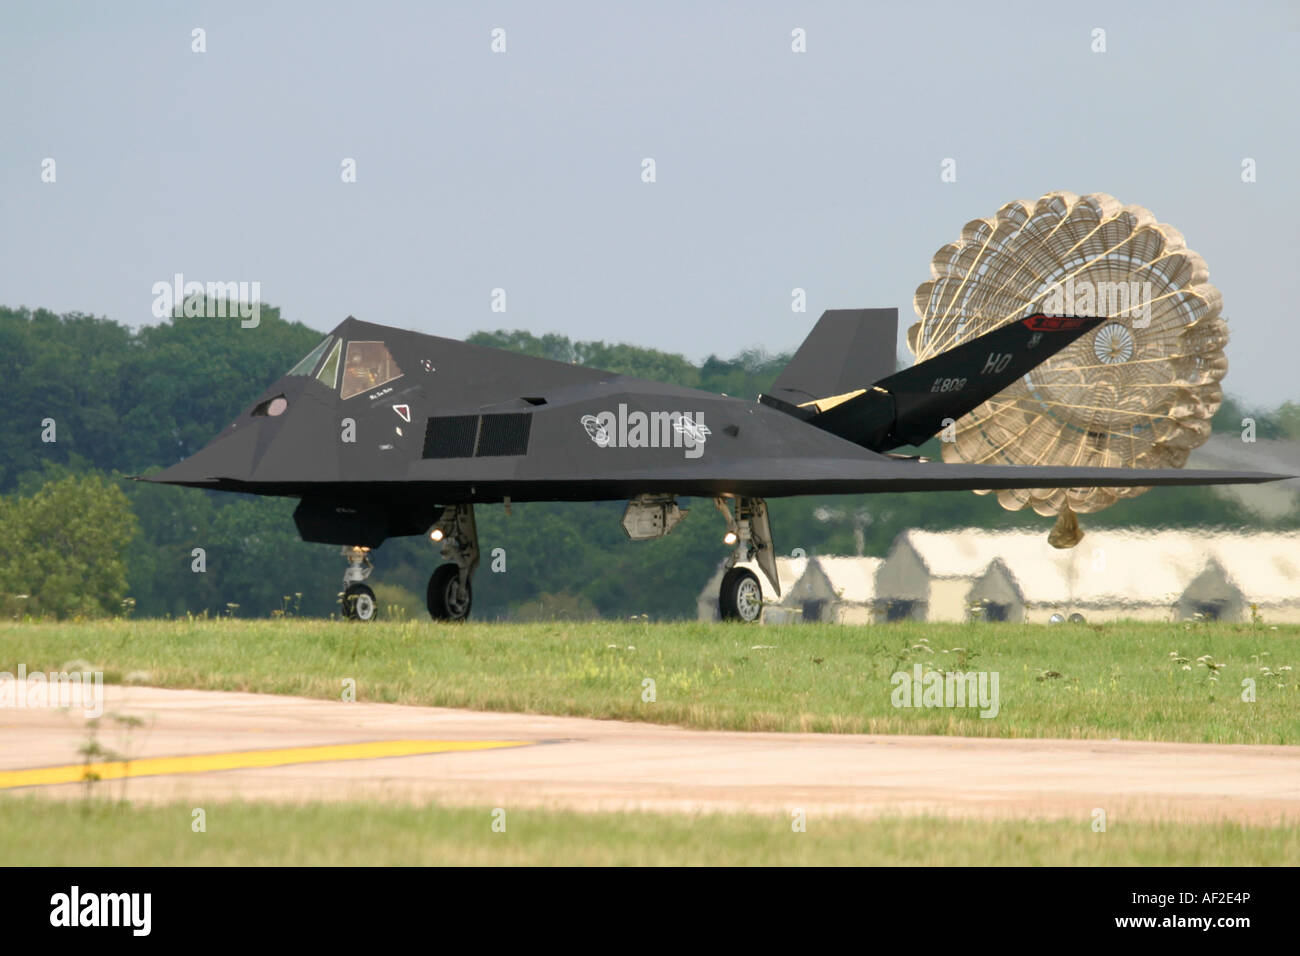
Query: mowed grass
{"points": [[36, 832], [1068, 681]]}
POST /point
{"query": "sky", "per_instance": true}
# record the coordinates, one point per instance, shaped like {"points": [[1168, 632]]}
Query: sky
{"points": [[522, 170]]}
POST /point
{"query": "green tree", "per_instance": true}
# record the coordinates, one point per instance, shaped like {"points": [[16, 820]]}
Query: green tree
{"points": [[624, 359], [64, 548], [205, 550], [61, 370], [1288, 418]]}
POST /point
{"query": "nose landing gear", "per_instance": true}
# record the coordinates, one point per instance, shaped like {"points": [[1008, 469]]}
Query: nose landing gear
{"points": [[358, 600], [450, 593]]}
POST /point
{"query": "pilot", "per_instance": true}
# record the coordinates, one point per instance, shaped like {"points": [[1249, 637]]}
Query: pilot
{"points": [[358, 375]]}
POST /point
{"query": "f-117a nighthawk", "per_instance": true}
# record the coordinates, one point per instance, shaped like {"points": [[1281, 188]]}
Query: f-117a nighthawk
{"points": [[382, 432]]}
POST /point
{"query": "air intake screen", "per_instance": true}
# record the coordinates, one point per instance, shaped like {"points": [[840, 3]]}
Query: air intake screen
{"points": [[450, 436], [504, 434], [477, 436]]}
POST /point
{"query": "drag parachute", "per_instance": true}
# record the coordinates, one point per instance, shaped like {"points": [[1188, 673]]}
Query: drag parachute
{"points": [[1138, 392]]}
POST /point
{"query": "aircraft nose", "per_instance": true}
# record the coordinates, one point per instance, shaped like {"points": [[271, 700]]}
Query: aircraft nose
{"points": [[229, 456]]}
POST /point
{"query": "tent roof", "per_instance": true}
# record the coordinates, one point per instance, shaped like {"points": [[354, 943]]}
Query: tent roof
{"points": [[1130, 566], [852, 578]]}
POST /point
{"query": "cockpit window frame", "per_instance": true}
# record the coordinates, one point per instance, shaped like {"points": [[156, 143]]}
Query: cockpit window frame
{"points": [[335, 358], [312, 358]]}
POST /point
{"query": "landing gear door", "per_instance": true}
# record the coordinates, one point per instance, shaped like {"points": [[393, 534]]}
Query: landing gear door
{"points": [[760, 537]]}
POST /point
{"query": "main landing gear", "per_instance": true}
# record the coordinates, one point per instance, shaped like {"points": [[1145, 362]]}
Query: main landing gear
{"points": [[741, 596], [450, 593], [358, 600]]}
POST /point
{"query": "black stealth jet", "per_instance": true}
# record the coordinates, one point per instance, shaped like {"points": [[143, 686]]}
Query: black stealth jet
{"points": [[382, 432]]}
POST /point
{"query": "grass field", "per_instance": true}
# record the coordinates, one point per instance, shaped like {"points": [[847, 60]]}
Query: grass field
{"points": [[1171, 682], [58, 833]]}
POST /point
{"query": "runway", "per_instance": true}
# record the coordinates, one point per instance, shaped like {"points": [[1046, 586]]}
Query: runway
{"points": [[214, 746]]}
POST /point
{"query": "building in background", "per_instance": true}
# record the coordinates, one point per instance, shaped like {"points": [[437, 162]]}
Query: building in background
{"points": [[927, 575], [1113, 574], [1110, 575], [837, 590], [1247, 575], [1139, 575]]}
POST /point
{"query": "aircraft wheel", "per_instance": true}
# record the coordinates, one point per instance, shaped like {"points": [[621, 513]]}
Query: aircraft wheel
{"points": [[741, 596], [359, 603], [446, 599]]}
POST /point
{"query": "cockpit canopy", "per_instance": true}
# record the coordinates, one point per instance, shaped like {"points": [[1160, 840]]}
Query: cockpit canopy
{"points": [[365, 365]]}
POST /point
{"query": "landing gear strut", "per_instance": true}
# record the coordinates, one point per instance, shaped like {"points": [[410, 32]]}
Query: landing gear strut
{"points": [[450, 593], [358, 600], [741, 596]]}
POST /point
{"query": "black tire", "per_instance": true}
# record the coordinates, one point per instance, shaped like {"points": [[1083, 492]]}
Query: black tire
{"points": [[359, 603], [741, 596], [445, 599]]}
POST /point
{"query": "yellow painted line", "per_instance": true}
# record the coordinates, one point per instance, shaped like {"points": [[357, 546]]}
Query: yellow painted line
{"points": [[241, 760]]}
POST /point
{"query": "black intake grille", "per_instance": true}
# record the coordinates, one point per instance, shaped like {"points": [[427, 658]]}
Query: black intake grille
{"points": [[477, 436], [450, 436], [504, 434]]}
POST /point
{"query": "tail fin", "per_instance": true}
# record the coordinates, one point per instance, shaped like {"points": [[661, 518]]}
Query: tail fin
{"points": [[910, 406], [845, 348]]}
